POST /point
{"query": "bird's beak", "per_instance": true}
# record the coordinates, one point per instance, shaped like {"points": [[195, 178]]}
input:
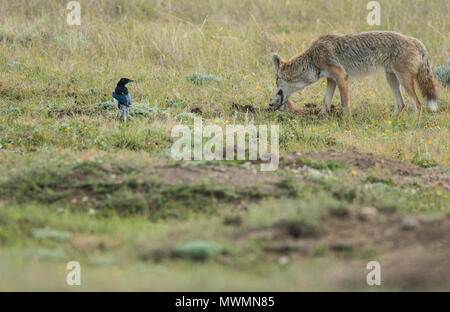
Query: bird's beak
{"points": [[131, 80]]}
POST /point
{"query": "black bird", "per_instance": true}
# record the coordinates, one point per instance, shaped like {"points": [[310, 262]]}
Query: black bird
{"points": [[123, 98]]}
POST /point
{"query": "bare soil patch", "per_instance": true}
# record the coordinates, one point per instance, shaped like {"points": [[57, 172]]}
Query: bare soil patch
{"points": [[359, 232], [412, 257], [314, 110], [236, 177]]}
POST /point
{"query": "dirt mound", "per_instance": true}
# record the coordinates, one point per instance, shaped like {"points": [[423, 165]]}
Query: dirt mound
{"points": [[413, 252], [314, 110], [412, 269], [366, 229], [307, 110], [365, 163]]}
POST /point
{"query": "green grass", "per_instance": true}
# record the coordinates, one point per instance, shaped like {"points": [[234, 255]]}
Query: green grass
{"points": [[56, 234], [123, 189], [332, 165], [77, 184]]}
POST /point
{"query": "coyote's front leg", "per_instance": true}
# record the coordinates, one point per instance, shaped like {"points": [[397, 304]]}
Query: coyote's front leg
{"points": [[341, 77], [331, 87]]}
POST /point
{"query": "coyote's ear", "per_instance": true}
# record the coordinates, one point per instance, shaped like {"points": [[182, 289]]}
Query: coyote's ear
{"points": [[277, 61]]}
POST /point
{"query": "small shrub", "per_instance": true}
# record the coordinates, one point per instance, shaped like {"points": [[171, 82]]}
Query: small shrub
{"points": [[289, 187], [201, 79], [44, 233], [424, 160], [375, 179], [443, 73], [197, 250], [127, 202], [332, 165], [106, 106], [135, 110]]}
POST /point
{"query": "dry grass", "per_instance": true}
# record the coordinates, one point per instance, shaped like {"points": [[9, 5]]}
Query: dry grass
{"points": [[53, 76], [48, 66]]}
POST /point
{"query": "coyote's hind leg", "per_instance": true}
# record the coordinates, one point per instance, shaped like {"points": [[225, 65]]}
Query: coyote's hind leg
{"points": [[407, 81], [394, 84]]}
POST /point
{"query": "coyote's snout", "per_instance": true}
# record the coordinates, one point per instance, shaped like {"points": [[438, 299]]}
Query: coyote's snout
{"points": [[340, 58]]}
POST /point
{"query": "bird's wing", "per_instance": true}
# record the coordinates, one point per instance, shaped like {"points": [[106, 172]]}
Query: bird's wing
{"points": [[122, 99], [128, 103]]}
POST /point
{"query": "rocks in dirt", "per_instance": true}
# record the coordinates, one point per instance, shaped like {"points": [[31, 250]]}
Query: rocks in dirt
{"points": [[311, 172], [283, 260], [409, 223], [197, 250], [368, 213]]}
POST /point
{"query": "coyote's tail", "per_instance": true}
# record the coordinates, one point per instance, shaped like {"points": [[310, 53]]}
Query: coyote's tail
{"points": [[426, 81]]}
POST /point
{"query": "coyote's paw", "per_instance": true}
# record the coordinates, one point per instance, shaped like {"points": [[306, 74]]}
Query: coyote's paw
{"points": [[324, 111]]}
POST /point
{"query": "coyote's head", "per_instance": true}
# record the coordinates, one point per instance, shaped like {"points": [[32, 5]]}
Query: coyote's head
{"points": [[289, 80]]}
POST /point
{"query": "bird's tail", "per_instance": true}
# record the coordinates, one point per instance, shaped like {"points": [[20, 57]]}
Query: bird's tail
{"points": [[124, 113]]}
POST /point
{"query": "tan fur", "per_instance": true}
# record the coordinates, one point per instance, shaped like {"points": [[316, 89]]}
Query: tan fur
{"points": [[342, 58]]}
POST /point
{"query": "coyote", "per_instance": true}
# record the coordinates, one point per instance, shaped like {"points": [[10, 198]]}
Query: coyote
{"points": [[338, 58]]}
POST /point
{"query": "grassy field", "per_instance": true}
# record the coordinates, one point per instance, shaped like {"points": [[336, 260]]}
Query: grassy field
{"points": [[75, 184]]}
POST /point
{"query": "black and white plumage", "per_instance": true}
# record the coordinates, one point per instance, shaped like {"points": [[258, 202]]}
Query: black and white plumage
{"points": [[122, 97]]}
